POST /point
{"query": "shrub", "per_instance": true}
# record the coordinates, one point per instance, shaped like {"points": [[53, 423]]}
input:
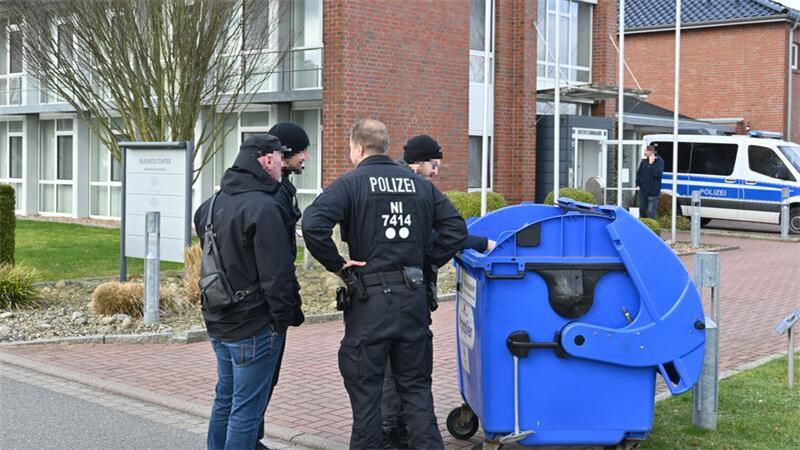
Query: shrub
{"points": [[652, 224], [8, 223], [665, 205], [578, 195], [117, 297], [469, 204], [191, 263], [16, 286], [682, 223]]}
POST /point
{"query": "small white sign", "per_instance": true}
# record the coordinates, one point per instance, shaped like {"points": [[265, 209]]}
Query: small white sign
{"points": [[466, 325], [155, 180], [626, 176], [469, 288]]}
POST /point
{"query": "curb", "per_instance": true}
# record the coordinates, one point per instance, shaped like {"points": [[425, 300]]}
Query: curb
{"points": [[735, 371], [273, 431], [749, 235], [180, 337], [719, 249]]}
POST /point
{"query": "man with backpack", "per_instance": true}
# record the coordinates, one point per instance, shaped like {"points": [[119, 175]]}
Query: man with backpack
{"points": [[247, 289]]}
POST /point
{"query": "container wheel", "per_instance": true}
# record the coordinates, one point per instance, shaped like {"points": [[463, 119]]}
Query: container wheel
{"points": [[462, 423], [626, 444]]}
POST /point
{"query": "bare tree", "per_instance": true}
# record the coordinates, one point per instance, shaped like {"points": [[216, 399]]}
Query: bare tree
{"points": [[145, 69]]}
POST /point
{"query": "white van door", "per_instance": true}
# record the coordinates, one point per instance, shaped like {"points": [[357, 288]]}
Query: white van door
{"points": [[764, 179]]}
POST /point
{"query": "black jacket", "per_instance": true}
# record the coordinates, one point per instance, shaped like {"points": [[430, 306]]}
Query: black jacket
{"points": [[648, 177], [287, 200], [254, 248], [475, 242], [387, 216]]}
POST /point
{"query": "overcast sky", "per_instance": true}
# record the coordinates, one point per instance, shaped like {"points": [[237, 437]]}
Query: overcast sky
{"points": [[791, 3]]}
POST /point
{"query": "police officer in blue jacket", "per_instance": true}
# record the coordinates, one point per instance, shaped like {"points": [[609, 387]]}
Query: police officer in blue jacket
{"points": [[387, 215]]}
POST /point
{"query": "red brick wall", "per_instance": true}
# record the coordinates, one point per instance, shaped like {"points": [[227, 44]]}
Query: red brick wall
{"points": [[736, 71], [515, 100], [604, 55], [405, 63]]}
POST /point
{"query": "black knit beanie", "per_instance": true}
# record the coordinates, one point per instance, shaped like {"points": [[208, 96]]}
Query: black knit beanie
{"points": [[421, 148], [292, 136]]}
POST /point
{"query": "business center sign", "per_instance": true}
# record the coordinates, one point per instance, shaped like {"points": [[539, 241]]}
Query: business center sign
{"points": [[158, 177]]}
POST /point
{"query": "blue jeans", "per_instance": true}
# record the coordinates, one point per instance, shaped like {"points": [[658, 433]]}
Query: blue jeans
{"points": [[648, 206], [244, 380]]}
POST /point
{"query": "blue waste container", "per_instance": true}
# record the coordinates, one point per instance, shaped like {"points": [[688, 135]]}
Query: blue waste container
{"points": [[563, 327]]}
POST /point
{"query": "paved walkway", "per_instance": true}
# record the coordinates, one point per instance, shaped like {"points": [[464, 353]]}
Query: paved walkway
{"points": [[759, 286]]}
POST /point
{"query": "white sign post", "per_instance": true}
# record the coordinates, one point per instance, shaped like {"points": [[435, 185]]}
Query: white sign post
{"points": [[157, 176]]}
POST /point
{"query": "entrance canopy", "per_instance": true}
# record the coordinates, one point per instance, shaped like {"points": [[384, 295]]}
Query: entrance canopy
{"points": [[590, 93]]}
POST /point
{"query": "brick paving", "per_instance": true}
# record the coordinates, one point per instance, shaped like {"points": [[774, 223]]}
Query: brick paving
{"points": [[759, 286]]}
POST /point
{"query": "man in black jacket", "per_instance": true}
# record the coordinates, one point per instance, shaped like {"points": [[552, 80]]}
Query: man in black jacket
{"points": [[248, 336], [648, 181], [387, 215]]}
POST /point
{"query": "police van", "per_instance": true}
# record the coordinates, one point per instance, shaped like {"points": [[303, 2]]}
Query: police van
{"points": [[739, 177]]}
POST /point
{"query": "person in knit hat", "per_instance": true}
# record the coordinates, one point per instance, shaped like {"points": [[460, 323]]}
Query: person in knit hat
{"points": [[422, 155], [295, 140]]}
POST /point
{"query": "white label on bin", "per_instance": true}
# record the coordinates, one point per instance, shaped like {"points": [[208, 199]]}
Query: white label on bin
{"points": [[466, 325], [468, 288], [464, 359]]}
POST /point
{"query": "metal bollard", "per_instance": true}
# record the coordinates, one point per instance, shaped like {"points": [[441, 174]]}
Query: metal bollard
{"points": [[705, 392], [785, 213], [152, 262], [696, 219], [785, 326]]}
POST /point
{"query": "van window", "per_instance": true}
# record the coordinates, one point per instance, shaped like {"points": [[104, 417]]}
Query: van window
{"points": [[684, 153], [713, 159], [764, 161]]}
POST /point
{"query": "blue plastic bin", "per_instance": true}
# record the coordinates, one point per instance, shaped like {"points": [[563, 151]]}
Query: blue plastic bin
{"points": [[605, 303]]}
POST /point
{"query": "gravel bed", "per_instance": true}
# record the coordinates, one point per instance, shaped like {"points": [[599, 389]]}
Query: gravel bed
{"points": [[685, 248], [63, 309]]}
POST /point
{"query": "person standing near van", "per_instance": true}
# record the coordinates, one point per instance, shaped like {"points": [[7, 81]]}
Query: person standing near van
{"points": [[648, 182]]}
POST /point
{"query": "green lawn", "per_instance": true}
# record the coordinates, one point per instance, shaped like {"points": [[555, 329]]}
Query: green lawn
{"points": [[756, 411], [61, 251]]}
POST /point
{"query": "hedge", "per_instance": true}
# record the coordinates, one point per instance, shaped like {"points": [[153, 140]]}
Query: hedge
{"points": [[579, 195], [469, 204], [8, 223]]}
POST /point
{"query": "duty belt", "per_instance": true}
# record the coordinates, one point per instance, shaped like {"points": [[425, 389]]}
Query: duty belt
{"points": [[381, 278]]}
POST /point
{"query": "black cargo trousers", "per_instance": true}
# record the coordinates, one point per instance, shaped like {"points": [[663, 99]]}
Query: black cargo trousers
{"points": [[391, 325]]}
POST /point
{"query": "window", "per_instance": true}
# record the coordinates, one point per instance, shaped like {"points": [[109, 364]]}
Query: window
{"points": [[11, 63], [307, 51], [477, 23], [795, 54], [106, 172], [713, 159], [684, 154], [14, 47], [476, 162], [766, 162], [309, 183], [56, 183], [575, 42], [11, 154], [235, 129]]}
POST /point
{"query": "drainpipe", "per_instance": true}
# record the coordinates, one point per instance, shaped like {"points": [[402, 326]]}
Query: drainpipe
{"points": [[789, 105]]}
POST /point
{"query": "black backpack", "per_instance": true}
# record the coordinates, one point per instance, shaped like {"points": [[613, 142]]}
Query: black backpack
{"points": [[215, 290]]}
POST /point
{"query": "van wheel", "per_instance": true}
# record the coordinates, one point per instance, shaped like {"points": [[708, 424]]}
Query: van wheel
{"points": [[794, 220], [704, 221]]}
